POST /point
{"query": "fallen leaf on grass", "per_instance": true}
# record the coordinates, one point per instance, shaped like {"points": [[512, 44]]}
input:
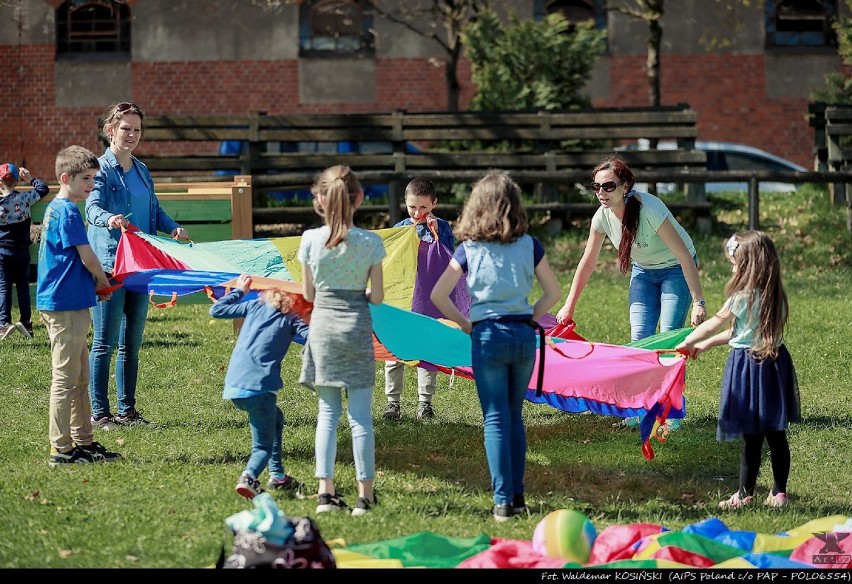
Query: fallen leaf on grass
{"points": [[65, 554]]}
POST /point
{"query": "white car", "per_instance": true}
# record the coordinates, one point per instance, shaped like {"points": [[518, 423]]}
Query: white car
{"points": [[731, 156]]}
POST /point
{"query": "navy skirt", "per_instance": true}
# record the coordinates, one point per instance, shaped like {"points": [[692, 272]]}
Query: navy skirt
{"points": [[757, 396]]}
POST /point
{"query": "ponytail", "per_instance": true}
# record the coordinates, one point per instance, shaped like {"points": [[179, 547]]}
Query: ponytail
{"points": [[629, 227], [340, 190]]}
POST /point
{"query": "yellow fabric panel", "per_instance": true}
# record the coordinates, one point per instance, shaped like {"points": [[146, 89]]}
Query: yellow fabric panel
{"points": [[399, 268]]}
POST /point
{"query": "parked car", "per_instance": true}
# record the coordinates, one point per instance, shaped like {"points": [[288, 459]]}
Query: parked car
{"points": [[731, 156]]}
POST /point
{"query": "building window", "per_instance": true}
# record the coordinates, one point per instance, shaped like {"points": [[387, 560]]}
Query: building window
{"points": [[336, 28], [801, 23], [573, 10], [93, 27]]}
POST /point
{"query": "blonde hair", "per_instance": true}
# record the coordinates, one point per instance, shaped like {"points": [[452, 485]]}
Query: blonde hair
{"points": [[278, 299], [75, 160], [340, 190], [493, 212], [758, 276]]}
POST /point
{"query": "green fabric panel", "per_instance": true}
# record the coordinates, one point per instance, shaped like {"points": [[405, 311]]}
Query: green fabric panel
{"points": [[667, 340], [426, 549]]}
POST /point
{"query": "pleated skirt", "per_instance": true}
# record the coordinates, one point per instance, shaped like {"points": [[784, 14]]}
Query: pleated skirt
{"points": [[758, 396]]}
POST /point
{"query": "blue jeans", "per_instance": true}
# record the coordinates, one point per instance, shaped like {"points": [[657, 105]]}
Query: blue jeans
{"points": [[15, 271], [660, 295], [360, 414], [503, 355], [266, 421], [119, 321]]}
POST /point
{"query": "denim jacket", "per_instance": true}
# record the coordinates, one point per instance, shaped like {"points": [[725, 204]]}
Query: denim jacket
{"points": [[112, 197]]}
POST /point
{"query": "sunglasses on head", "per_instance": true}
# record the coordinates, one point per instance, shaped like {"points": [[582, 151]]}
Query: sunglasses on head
{"points": [[607, 187], [127, 106]]}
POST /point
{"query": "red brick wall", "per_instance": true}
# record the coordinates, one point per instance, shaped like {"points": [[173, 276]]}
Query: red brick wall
{"points": [[727, 91]]}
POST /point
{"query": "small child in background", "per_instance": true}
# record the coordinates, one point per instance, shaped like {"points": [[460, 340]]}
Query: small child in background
{"points": [[760, 391], [420, 200], [69, 277], [342, 275], [15, 241], [254, 379], [501, 262]]}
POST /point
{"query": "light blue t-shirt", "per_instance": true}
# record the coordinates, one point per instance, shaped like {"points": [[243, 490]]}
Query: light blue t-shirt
{"points": [[744, 328], [500, 276]]}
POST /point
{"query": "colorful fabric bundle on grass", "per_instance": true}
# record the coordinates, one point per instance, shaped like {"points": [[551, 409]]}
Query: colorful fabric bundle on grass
{"points": [[707, 544]]}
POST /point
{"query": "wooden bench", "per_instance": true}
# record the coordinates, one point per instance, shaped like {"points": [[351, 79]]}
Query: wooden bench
{"points": [[833, 148], [545, 149]]}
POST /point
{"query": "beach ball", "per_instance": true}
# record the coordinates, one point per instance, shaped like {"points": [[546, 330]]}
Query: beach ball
{"points": [[565, 534]]}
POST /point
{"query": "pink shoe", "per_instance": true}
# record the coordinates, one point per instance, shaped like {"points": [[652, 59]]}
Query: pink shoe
{"points": [[778, 501], [735, 502]]}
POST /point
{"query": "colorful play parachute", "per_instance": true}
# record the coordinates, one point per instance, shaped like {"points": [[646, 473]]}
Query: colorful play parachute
{"points": [[707, 544], [578, 375]]}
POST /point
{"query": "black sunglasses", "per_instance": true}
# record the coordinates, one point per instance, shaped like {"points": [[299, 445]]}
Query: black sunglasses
{"points": [[126, 106], [607, 187]]}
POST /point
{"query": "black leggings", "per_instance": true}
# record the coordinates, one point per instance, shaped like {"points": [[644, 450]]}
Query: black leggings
{"points": [[779, 454]]}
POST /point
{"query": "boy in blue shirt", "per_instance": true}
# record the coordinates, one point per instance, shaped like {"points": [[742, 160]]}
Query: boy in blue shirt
{"points": [[69, 276], [420, 200]]}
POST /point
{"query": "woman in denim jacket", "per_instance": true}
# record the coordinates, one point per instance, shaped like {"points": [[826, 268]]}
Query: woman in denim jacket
{"points": [[123, 187]]}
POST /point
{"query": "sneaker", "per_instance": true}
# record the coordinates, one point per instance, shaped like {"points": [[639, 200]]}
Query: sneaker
{"points": [[288, 485], [778, 501], [425, 411], [519, 505], [6, 330], [502, 513], [363, 506], [25, 330], [392, 412], [132, 420], [248, 487], [105, 423], [75, 455], [328, 503], [98, 453], [736, 502], [632, 422]]}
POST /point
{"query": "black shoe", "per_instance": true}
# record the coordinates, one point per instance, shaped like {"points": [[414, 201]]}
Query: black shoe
{"points": [[132, 420], [74, 456], [502, 513], [519, 506], [392, 412], [98, 453], [289, 486], [363, 506], [425, 411], [104, 422], [328, 503]]}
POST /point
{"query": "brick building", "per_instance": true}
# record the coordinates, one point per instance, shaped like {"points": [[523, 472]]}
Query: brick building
{"points": [[747, 70]]}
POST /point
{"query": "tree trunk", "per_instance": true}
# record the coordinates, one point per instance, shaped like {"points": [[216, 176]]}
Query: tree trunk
{"points": [[655, 36], [452, 78]]}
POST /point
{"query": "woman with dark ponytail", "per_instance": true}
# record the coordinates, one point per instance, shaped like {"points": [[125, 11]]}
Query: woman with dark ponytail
{"points": [[652, 246]]}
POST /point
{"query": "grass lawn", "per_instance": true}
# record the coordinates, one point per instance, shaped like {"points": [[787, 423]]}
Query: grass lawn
{"points": [[165, 504]]}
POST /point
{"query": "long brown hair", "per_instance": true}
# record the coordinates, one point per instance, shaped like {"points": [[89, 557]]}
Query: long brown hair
{"points": [[493, 212], [340, 189], [632, 206], [758, 276]]}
